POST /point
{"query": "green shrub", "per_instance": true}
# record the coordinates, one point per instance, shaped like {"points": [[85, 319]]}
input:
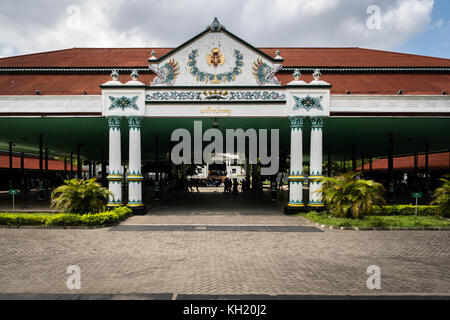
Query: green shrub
{"points": [[80, 197], [404, 210], [65, 219], [123, 212], [103, 218], [442, 197], [11, 219], [347, 196]]}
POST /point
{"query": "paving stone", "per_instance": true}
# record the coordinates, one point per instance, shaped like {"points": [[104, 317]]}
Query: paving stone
{"points": [[229, 262]]}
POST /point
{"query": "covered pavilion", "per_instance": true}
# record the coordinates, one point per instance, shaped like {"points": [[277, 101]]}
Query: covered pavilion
{"points": [[329, 104]]}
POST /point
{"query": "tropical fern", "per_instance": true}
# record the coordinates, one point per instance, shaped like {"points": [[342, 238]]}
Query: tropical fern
{"points": [[442, 197], [78, 196], [350, 197]]}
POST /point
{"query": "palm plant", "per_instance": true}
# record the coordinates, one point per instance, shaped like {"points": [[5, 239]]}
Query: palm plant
{"points": [[78, 196], [350, 197], [442, 197]]}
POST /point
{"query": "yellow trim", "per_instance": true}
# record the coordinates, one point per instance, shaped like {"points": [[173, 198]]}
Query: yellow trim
{"points": [[316, 177], [135, 178], [114, 204], [295, 205], [316, 205], [114, 178], [135, 205]]}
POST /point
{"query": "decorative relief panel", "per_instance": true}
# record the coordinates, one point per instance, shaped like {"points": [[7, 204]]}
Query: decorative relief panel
{"points": [[308, 102], [165, 74], [215, 78], [215, 57], [216, 95], [123, 102], [264, 73]]}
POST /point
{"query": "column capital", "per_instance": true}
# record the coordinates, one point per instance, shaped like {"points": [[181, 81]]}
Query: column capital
{"points": [[134, 123], [296, 123], [316, 123], [114, 122]]}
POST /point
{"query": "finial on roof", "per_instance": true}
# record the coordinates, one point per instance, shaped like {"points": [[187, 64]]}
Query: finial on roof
{"points": [[153, 55], [134, 75], [115, 75], [278, 55], [317, 82], [215, 26], [297, 74], [317, 74]]}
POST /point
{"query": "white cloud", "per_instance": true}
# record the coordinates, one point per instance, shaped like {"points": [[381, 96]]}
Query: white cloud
{"points": [[438, 24], [409, 17], [49, 25]]}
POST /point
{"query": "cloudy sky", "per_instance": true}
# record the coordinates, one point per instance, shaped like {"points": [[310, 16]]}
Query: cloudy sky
{"points": [[414, 26]]}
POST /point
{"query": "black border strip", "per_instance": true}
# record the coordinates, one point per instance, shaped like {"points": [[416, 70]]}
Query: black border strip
{"points": [[199, 88], [45, 114], [389, 114], [223, 102]]}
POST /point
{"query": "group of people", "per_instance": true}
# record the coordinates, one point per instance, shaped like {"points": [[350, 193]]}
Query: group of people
{"points": [[231, 186], [193, 183]]}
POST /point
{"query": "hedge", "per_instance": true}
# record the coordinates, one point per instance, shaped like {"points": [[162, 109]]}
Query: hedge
{"points": [[404, 210], [65, 219]]}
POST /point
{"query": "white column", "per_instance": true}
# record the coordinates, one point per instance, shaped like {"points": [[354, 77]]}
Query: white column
{"points": [[115, 175], [134, 176], [315, 174], [296, 173]]}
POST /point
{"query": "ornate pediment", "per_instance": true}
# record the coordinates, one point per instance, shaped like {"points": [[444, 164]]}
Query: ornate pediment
{"points": [[215, 57]]}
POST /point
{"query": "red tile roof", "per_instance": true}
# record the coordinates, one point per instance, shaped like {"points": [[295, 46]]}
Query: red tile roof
{"points": [[32, 163], [357, 83], [56, 83], [437, 161], [382, 83], [298, 57], [361, 82]]}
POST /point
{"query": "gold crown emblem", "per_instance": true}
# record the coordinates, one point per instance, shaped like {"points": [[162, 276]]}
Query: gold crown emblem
{"points": [[215, 58]]}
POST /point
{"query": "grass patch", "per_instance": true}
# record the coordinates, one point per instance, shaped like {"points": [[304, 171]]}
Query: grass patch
{"points": [[398, 221], [65, 219]]}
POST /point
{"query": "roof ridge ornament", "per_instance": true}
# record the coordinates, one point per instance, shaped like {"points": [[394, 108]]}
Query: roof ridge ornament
{"points": [[153, 56], [134, 75], [134, 79], [115, 75], [317, 74], [115, 79], [278, 55], [216, 26], [297, 74]]}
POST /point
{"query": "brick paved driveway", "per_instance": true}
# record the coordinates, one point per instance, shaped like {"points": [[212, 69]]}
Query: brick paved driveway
{"points": [[223, 262]]}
